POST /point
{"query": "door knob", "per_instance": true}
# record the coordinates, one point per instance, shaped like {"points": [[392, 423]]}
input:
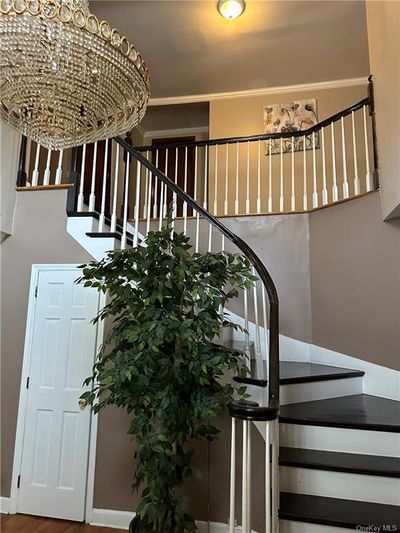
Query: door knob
{"points": [[82, 403]]}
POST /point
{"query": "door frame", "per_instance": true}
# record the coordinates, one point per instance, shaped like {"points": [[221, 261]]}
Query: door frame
{"points": [[23, 394]]}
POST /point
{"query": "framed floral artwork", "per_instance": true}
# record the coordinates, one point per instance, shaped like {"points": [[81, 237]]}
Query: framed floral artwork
{"points": [[291, 117]]}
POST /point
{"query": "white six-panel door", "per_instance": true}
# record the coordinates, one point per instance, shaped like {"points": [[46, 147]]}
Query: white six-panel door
{"points": [[56, 435]]}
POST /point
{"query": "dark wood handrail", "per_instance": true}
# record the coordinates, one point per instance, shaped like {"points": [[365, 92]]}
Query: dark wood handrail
{"points": [[247, 251], [264, 136]]}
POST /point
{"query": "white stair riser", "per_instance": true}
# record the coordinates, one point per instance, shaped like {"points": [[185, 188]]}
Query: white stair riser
{"points": [[320, 390], [77, 227], [308, 392], [289, 526], [345, 485], [340, 439]]}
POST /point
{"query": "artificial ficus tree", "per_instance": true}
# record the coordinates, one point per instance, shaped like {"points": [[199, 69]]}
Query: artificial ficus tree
{"points": [[159, 361]]}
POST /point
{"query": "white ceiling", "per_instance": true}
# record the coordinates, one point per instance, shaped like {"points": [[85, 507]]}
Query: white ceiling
{"points": [[191, 49]]}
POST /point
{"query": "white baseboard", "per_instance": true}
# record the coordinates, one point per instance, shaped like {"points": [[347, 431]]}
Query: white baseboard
{"points": [[378, 380], [121, 519], [4, 505], [290, 526]]}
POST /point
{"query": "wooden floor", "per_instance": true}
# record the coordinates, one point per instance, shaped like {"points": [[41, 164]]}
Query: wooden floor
{"points": [[31, 524]]}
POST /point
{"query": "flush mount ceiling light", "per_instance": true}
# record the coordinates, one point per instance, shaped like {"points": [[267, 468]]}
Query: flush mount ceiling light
{"points": [[67, 78], [231, 9]]}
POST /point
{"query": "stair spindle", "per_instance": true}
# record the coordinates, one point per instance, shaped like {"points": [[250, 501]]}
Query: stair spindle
{"points": [[368, 175], [335, 190], [137, 203], [324, 187], [237, 179], [232, 493], [150, 190], [165, 204], [59, 168], [216, 181], [174, 196], [197, 238], [275, 475], [293, 196], [245, 515], [355, 156], [270, 177], [205, 201], [305, 192], [185, 211], [257, 326], [281, 194], [146, 188], [92, 197], [104, 189], [267, 479], [82, 180], [315, 186], [46, 177], [35, 173], [126, 199], [115, 193], [155, 205], [345, 180], [248, 482], [162, 191], [258, 205]]}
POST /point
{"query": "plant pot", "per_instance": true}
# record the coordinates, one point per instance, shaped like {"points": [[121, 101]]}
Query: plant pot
{"points": [[137, 526]]}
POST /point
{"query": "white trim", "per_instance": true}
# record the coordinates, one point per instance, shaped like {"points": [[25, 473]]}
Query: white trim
{"points": [[264, 91], [378, 380], [4, 505], [175, 132], [290, 526], [121, 519], [19, 436]]}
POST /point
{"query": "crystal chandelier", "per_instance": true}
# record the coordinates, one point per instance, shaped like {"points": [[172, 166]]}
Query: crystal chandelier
{"points": [[67, 78]]}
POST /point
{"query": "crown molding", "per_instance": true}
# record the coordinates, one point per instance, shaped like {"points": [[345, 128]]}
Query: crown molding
{"points": [[320, 85]]}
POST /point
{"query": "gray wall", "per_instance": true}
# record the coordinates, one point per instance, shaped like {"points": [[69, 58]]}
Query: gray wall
{"points": [[355, 281], [39, 236]]}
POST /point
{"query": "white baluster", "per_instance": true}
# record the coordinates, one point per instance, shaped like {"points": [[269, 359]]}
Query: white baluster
{"points": [[345, 181], [28, 161], [195, 198], [246, 323], [335, 190], [162, 191], [46, 178], [259, 178], [355, 156], [324, 188], [35, 173], [155, 205], [275, 475], [146, 188], [281, 194], [115, 194], [205, 201], [126, 199], [368, 175], [293, 196], [185, 189], [232, 493], [315, 191], [257, 324], [216, 181], [165, 208], [305, 193], [82, 182], [248, 179], [104, 190], [267, 479], [59, 168], [265, 320], [226, 179], [175, 197], [210, 233], [245, 515], [237, 179], [92, 197], [270, 177], [149, 201], [137, 203]]}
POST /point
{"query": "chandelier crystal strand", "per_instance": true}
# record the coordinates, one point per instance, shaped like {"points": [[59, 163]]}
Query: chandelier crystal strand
{"points": [[67, 78]]}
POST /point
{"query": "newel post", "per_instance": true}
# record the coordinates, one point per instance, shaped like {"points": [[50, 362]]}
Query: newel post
{"points": [[374, 138]]}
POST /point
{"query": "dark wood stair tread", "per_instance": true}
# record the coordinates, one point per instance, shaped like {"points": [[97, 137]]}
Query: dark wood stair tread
{"points": [[354, 463], [358, 411], [296, 372], [339, 513]]}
